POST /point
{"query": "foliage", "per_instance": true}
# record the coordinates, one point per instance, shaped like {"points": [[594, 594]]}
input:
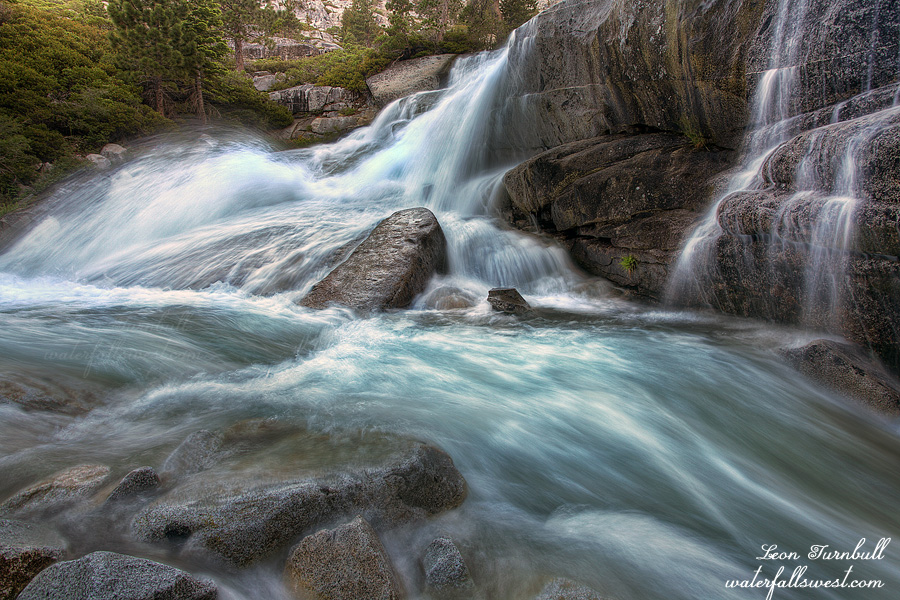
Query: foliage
{"points": [[629, 263], [358, 24], [347, 68], [238, 101], [254, 21]]}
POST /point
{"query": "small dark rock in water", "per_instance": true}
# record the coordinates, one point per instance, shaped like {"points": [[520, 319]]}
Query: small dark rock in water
{"points": [[58, 492], [344, 563], [245, 525], [36, 393], [102, 575], [389, 268], [446, 573], [198, 452], [566, 589], [507, 300], [139, 481], [449, 298], [847, 369], [25, 551]]}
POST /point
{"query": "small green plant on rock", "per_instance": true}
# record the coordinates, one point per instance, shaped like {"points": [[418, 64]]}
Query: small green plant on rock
{"points": [[628, 263]]}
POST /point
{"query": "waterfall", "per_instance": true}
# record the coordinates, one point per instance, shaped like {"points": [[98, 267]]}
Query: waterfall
{"points": [[796, 195], [194, 212]]}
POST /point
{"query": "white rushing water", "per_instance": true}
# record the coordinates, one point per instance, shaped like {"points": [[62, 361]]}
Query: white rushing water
{"points": [[648, 454]]}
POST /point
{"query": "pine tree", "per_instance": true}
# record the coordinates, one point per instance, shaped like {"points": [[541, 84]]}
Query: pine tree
{"points": [[203, 48], [358, 24], [149, 41], [247, 21]]}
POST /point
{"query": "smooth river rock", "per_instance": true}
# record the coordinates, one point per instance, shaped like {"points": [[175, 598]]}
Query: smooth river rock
{"points": [[446, 573], [107, 575], [389, 268], [58, 492], [566, 589], [344, 563]]}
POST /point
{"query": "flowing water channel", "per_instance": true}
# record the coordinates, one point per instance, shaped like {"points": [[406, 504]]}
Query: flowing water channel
{"points": [[644, 452]]}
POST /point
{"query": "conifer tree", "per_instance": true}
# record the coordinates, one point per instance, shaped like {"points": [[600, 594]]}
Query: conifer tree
{"points": [[149, 39], [247, 21], [358, 24], [203, 48]]}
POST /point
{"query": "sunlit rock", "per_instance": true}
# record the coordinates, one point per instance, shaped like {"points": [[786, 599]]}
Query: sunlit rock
{"points": [[389, 268]]}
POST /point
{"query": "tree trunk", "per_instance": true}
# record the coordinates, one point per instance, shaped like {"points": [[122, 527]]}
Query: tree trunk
{"points": [[443, 17], [238, 54], [198, 90], [158, 93]]}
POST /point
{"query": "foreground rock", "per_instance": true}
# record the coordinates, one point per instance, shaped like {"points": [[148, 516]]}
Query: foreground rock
{"points": [[389, 268], [446, 573], [243, 526], [408, 77], [58, 492], [25, 550], [848, 370], [566, 589], [110, 575], [507, 300], [344, 563]]}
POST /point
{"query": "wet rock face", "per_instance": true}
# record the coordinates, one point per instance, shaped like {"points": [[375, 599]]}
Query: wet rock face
{"points": [[599, 67], [312, 98], [344, 563], [25, 550], [848, 370], [111, 575], [243, 526], [389, 268], [618, 196]]}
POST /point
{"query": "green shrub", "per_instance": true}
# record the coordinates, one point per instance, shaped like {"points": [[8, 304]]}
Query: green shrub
{"points": [[629, 263]]}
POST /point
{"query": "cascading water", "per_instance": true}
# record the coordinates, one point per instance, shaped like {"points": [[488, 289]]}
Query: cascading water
{"points": [[648, 454]]}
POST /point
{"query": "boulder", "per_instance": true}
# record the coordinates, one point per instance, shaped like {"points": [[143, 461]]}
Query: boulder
{"points": [[308, 98], [110, 575], [449, 298], [264, 83], [408, 77], [58, 492], [98, 160], [324, 125], [507, 300], [244, 525], [389, 268], [344, 563], [566, 589], [850, 371], [25, 550], [281, 48], [114, 152], [446, 573], [138, 482]]}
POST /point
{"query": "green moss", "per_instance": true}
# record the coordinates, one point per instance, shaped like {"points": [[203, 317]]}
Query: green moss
{"points": [[628, 263]]}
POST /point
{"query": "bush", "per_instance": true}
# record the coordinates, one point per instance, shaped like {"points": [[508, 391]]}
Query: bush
{"points": [[233, 95]]}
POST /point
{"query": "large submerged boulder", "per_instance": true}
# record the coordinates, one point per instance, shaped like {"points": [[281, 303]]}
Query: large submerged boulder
{"points": [[240, 526], [389, 268]]}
